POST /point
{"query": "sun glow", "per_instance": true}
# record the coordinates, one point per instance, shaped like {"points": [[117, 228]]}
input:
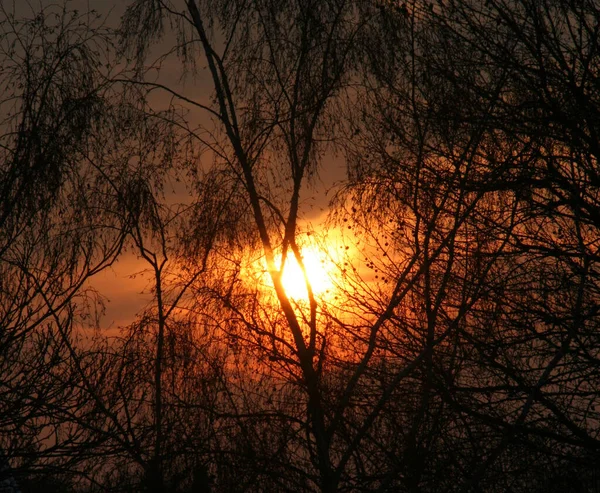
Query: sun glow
{"points": [[318, 270]]}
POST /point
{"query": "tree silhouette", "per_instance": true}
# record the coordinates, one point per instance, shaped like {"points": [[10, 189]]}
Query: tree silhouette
{"points": [[50, 244], [457, 346]]}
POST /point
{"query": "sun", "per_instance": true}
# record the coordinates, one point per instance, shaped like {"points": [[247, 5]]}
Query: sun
{"points": [[318, 271]]}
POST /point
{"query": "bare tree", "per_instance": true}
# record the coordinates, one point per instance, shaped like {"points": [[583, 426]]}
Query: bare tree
{"points": [[463, 328], [478, 92], [68, 135]]}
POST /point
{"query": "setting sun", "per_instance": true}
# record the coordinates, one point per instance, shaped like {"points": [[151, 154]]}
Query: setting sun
{"points": [[317, 271]]}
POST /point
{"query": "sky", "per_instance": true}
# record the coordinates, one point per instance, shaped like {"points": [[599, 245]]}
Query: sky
{"points": [[124, 290]]}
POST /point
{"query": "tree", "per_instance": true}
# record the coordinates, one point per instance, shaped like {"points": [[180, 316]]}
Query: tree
{"points": [[281, 71], [51, 105], [66, 146], [457, 350], [495, 90]]}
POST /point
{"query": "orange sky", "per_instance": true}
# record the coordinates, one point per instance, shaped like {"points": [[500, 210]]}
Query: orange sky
{"points": [[124, 298]]}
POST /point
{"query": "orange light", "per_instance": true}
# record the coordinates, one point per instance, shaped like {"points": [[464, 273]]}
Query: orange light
{"points": [[317, 271]]}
